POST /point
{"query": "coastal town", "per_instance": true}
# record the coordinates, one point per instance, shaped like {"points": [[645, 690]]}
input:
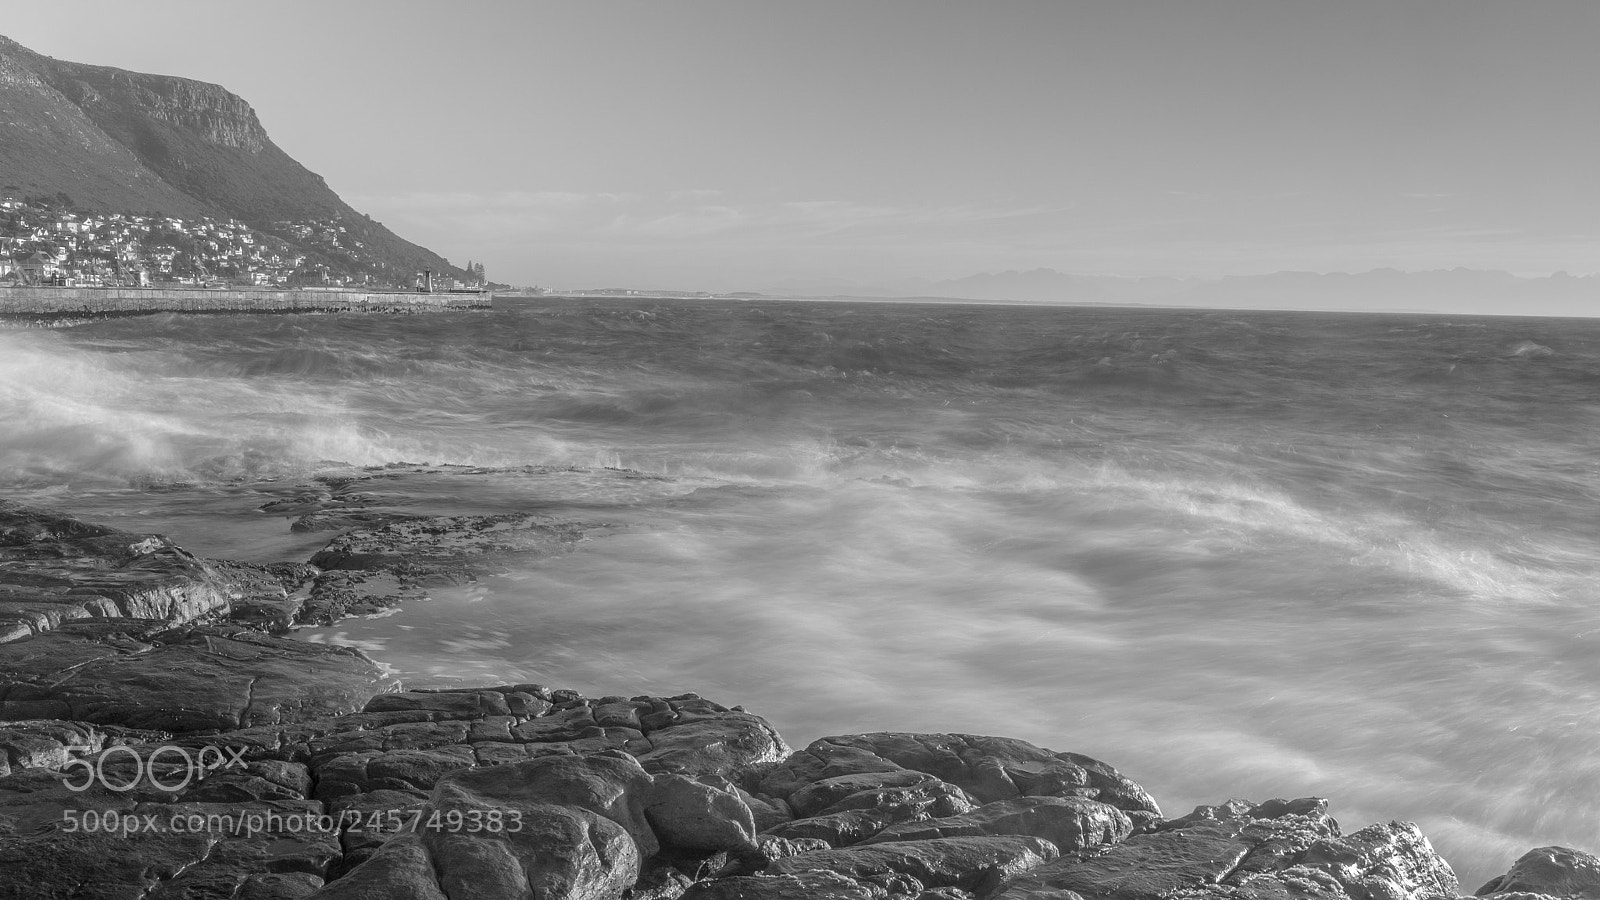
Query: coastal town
{"points": [[43, 243]]}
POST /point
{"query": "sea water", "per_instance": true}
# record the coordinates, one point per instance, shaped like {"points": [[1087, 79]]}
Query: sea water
{"points": [[1235, 554]]}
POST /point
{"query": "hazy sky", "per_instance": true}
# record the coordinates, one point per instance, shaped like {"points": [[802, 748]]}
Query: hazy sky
{"points": [[722, 145]]}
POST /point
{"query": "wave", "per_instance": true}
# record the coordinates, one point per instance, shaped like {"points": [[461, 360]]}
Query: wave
{"points": [[88, 417]]}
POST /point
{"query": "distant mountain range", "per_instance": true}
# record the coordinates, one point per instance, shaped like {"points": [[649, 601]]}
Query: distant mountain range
{"points": [[108, 140], [1457, 290]]}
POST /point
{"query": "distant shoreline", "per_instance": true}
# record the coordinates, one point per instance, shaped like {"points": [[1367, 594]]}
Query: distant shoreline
{"points": [[1038, 304], [51, 304]]}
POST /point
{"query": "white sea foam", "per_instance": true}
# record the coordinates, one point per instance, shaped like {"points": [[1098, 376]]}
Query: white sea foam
{"points": [[1295, 558]]}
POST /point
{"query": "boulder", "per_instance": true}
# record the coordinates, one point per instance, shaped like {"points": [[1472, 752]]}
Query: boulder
{"points": [[553, 826], [734, 745], [1556, 871], [693, 815], [399, 870]]}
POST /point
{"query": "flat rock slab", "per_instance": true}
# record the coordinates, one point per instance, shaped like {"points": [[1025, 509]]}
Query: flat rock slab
{"points": [[198, 678], [449, 542], [54, 569], [368, 570]]}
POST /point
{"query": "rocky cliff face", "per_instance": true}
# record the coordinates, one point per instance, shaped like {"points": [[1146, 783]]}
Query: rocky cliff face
{"points": [[121, 141], [216, 114]]}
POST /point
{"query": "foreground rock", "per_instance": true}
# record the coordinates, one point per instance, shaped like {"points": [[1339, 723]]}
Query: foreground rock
{"points": [[1551, 872], [593, 791], [141, 757], [521, 791], [140, 674], [55, 569], [385, 551], [368, 570]]}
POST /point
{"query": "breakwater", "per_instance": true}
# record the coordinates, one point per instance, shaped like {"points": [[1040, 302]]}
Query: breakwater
{"points": [[33, 303]]}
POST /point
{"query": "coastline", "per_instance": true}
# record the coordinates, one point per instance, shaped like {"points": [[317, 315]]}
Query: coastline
{"points": [[79, 303], [127, 641]]}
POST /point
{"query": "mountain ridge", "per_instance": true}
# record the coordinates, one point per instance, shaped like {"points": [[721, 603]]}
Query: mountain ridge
{"points": [[109, 139], [1459, 289]]}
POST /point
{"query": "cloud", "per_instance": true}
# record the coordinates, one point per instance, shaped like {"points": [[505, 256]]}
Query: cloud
{"points": [[687, 223], [713, 238], [680, 215], [703, 194]]}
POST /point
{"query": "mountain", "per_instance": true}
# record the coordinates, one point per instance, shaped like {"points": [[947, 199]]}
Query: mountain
{"points": [[106, 139]]}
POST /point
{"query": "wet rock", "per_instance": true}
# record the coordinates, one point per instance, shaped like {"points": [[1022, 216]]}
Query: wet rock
{"points": [[50, 743], [812, 799], [1385, 862], [399, 557], [817, 885], [449, 542], [56, 569], [691, 815], [1241, 851], [1555, 871], [930, 797], [406, 771], [335, 595], [988, 768], [711, 742], [1144, 867], [474, 704], [97, 866], [190, 679], [768, 811], [580, 831], [1069, 823], [341, 520], [299, 503], [257, 780], [133, 861], [820, 761], [843, 828], [399, 870], [268, 598], [963, 862]]}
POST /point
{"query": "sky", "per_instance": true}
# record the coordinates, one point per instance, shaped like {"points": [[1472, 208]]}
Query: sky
{"points": [[751, 143]]}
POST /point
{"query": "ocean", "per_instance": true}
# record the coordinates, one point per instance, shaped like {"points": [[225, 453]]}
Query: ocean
{"points": [[1234, 554]]}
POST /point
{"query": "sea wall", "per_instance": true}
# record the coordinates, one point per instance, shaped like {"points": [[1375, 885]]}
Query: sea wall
{"points": [[93, 302]]}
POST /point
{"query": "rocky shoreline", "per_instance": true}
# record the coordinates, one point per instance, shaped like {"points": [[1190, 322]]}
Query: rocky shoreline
{"points": [[161, 738]]}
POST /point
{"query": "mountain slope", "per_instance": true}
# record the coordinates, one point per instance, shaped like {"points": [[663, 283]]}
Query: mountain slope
{"points": [[117, 140]]}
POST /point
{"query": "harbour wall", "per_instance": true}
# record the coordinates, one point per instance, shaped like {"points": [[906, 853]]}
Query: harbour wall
{"points": [[91, 302]]}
